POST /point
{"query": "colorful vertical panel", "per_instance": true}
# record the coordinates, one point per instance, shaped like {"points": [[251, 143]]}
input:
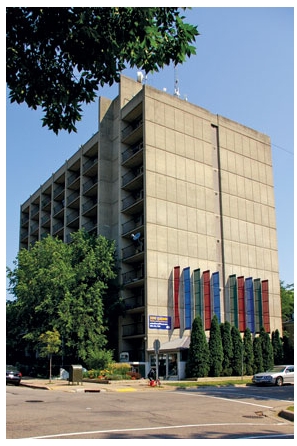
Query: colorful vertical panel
{"points": [[249, 304], [216, 295], [187, 294], [198, 297], [258, 305], [207, 300], [265, 305], [241, 304], [233, 300], [176, 319]]}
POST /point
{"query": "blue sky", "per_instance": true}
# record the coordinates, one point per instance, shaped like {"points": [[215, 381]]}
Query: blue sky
{"points": [[243, 70]]}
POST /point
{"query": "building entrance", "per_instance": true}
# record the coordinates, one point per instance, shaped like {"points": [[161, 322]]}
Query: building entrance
{"points": [[167, 365]]}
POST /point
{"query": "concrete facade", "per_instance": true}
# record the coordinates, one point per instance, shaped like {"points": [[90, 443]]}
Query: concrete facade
{"points": [[175, 186]]}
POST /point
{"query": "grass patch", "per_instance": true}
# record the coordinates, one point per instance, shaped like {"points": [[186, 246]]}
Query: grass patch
{"points": [[290, 408], [225, 382]]}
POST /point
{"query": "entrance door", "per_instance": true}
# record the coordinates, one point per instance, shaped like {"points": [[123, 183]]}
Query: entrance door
{"points": [[172, 365]]}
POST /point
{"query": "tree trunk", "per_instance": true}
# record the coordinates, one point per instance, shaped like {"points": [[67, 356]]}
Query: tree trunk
{"points": [[50, 369]]}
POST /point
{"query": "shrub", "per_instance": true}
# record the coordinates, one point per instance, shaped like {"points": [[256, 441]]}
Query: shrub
{"points": [[113, 371], [99, 359], [134, 375]]}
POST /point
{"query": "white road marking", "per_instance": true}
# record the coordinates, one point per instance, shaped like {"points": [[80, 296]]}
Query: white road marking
{"points": [[226, 399], [142, 429]]}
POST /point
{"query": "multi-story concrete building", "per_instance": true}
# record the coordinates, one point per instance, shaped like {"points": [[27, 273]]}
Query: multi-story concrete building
{"points": [[189, 198]]}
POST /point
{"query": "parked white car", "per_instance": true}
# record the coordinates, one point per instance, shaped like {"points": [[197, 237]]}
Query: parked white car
{"points": [[278, 375]]}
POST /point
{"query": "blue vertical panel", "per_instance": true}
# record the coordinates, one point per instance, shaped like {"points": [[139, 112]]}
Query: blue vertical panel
{"points": [[176, 297], [187, 294], [258, 305], [216, 295], [249, 304]]}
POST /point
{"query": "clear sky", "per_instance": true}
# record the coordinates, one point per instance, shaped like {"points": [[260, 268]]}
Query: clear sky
{"points": [[243, 71]]}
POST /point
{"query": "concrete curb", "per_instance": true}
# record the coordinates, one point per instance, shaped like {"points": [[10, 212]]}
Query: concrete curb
{"points": [[87, 386], [287, 415]]}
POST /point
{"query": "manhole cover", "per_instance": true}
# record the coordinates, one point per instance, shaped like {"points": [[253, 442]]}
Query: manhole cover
{"points": [[253, 416], [34, 401]]}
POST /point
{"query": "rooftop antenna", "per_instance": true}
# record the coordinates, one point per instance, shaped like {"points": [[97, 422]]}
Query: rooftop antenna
{"points": [[139, 77], [176, 83]]}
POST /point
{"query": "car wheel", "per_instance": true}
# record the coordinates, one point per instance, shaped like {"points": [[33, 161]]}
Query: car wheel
{"points": [[279, 381]]}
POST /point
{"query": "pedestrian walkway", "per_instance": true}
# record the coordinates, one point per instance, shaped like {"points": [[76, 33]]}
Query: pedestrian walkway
{"points": [[90, 386]]}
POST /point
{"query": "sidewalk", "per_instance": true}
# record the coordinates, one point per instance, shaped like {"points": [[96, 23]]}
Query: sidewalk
{"points": [[107, 385], [89, 385]]}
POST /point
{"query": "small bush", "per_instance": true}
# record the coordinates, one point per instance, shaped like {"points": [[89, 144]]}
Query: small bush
{"points": [[134, 375], [114, 371]]}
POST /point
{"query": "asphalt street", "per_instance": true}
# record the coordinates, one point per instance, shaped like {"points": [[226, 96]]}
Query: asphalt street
{"points": [[135, 410]]}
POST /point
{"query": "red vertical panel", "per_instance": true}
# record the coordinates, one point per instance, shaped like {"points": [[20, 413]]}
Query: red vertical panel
{"points": [[207, 300], [176, 296], [265, 305], [241, 304]]}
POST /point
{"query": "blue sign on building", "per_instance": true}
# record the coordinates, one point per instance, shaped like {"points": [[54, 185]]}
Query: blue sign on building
{"points": [[160, 322]]}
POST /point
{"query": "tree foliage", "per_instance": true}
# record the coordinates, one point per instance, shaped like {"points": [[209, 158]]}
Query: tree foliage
{"points": [[197, 365], [227, 348], [277, 345], [49, 344], [288, 349], [215, 348], [287, 301], [61, 286], [57, 56], [258, 359], [237, 351], [248, 352], [267, 349]]}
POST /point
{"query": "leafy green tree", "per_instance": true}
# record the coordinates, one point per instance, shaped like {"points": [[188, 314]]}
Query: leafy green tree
{"points": [[215, 348], [248, 353], [227, 348], [258, 359], [267, 349], [57, 56], [287, 300], [277, 345], [83, 310], [61, 286], [39, 281], [237, 348], [288, 349], [197, 365], [49, 344]]}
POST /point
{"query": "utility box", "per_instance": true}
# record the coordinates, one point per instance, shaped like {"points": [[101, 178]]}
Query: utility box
{"points": [[75, 374]]}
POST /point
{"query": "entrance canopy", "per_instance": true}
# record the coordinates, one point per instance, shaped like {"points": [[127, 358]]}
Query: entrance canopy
{"points": [[174, 345]]}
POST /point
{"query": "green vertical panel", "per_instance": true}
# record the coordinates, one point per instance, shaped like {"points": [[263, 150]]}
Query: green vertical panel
{"points": [[233, 300], [198, 294], [258, 305]]}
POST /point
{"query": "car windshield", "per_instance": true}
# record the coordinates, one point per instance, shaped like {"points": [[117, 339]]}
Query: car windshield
{"points": [[277, 369]]}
